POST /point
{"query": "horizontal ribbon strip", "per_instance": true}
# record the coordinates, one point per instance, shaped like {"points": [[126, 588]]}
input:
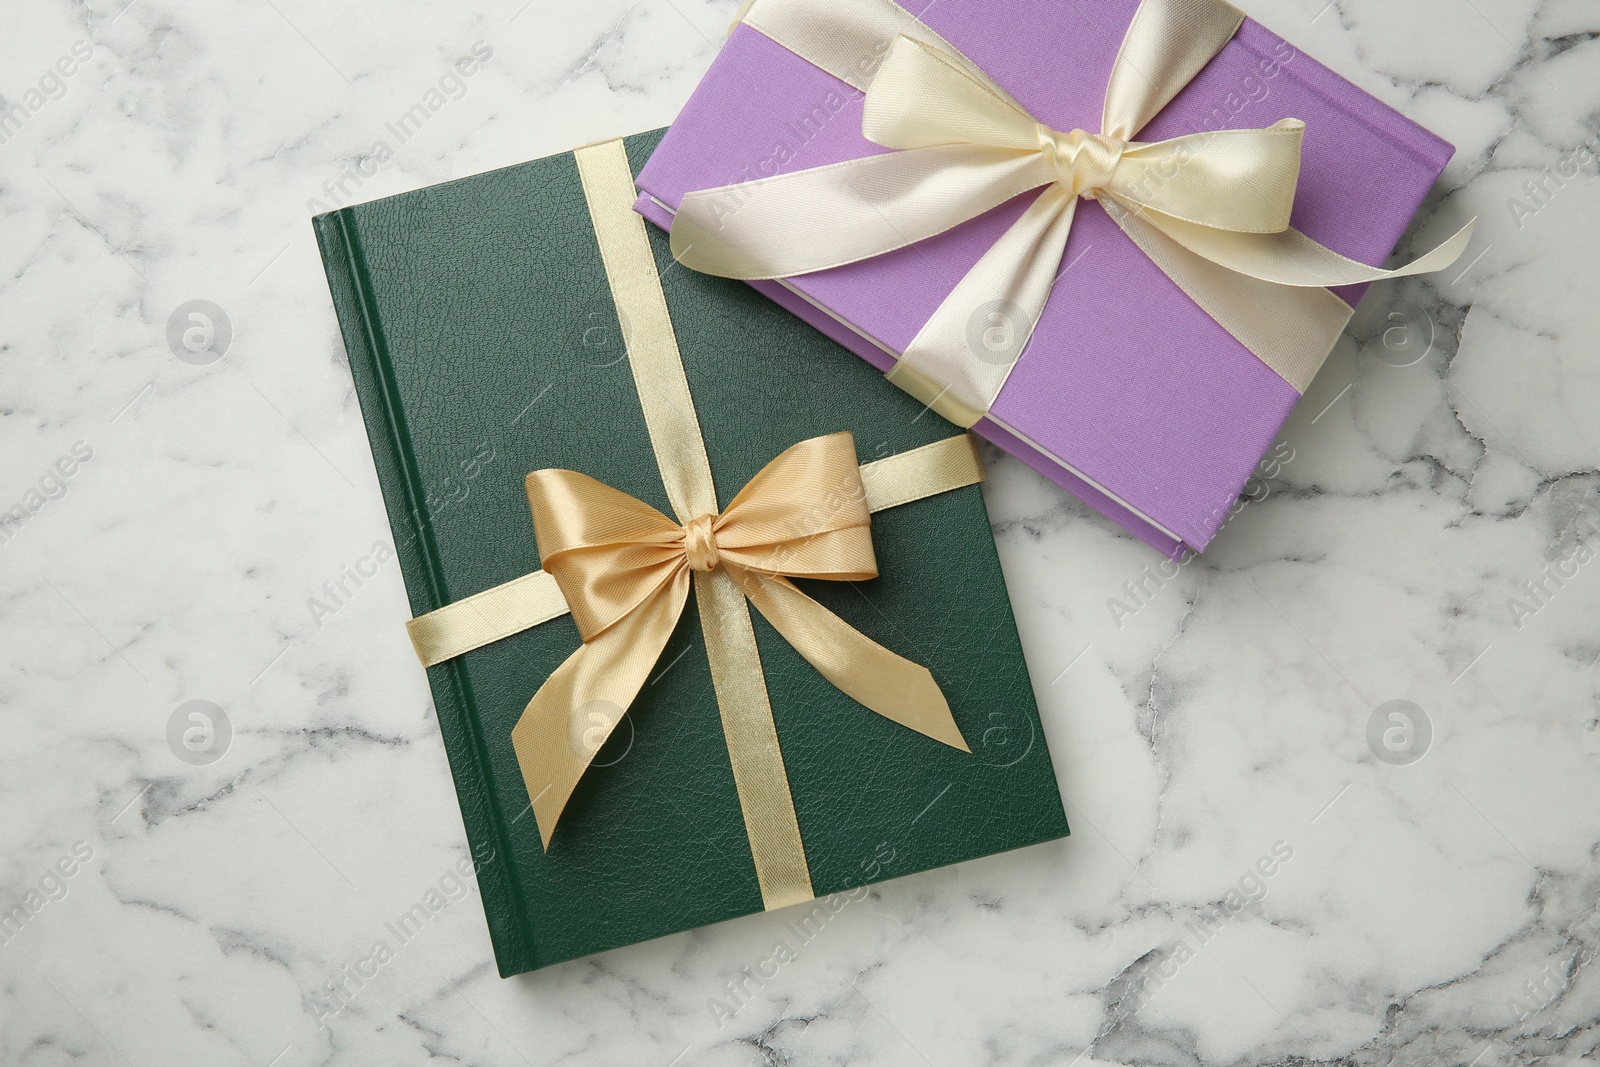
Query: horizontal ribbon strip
{"points": [[1210, 209], [535, 599]]}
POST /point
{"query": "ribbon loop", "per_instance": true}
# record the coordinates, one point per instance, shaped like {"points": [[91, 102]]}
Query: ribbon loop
{"points": [[923, 97], [1180, 178], [589, 534]]}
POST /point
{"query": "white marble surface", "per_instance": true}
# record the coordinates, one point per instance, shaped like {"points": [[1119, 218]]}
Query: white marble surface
{"points": [[208, 904]]}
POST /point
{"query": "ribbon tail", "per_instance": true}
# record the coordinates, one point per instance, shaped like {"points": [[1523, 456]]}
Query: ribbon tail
{"points": [[574, 712], [826, 217], [1290, 258], [961, 358], [880, 680]]}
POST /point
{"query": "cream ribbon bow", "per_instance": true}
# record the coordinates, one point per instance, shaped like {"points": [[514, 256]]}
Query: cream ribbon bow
{"points": [[625, 570], [1211, 209]]}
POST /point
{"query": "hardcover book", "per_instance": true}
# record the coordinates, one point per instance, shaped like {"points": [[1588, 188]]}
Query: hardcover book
{"points": [[485, 344], [1128, 394]]}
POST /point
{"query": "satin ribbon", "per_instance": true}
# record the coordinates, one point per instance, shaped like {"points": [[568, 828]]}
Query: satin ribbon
{"points": [[624, 570], [1211, 209]]}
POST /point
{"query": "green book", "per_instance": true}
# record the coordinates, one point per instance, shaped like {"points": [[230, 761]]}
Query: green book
{"points": [[484, 344]]}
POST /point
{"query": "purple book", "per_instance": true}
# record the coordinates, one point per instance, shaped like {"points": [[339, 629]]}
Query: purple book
{"points": [[1159, 424]]}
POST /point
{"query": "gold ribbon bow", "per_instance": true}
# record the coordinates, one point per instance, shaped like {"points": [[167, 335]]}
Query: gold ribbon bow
{"points": [[624, 570], [1210, 209]]}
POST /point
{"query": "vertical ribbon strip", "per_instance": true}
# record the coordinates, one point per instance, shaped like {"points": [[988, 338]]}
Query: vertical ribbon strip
{"points": [[652, 346]]}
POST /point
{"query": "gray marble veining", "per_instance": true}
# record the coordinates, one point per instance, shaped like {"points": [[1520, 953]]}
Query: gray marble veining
{"points": [[1335, 786]]}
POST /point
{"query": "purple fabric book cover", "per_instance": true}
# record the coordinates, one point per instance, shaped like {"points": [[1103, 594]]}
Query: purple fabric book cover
{"points": [[1160, 421]]}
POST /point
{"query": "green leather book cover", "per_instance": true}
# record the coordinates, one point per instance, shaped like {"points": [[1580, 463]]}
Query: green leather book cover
{"points": [[484, 344]]}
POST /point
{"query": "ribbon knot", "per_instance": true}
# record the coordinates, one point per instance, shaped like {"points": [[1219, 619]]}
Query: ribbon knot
{"points": [[1083, 162], [700, 544]]}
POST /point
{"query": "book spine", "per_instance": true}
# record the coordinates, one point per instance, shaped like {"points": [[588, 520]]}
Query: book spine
{"points": [[405, 496]]}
